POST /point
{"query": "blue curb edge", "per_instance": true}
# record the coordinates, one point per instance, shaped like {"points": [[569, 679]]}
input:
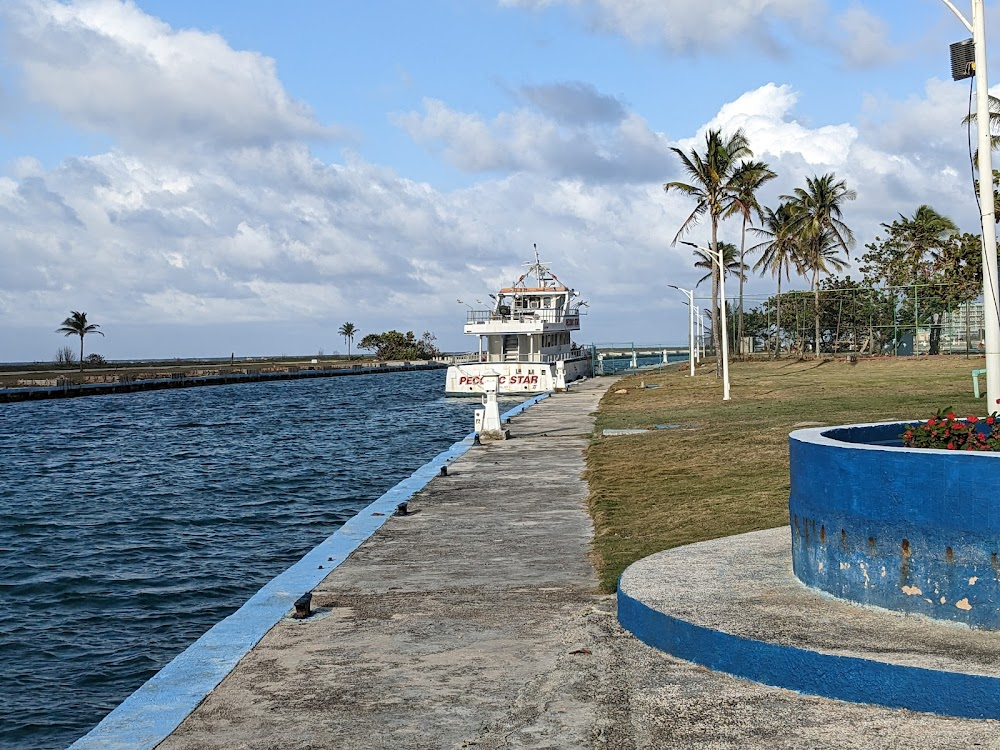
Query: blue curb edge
{"points": [[844, 678], [151, 713]]}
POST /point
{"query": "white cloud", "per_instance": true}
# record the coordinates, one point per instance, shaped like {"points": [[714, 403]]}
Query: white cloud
{"points": [[107, 66], [685, 26], [625, 149]]}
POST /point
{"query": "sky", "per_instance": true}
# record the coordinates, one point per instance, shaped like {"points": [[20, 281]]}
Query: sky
{"points": [[243, 176]]}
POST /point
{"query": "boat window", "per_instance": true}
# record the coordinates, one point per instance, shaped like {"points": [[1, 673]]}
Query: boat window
{"points": [[534, 303], [546, 301]]}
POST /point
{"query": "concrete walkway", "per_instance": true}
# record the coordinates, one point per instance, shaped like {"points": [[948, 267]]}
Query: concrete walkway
{"points": [[474, 622]]}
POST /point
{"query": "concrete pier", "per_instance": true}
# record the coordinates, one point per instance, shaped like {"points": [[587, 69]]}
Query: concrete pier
{"points": [[473, 621]]}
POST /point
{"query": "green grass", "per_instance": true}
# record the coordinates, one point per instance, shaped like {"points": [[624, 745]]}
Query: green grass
{"points": [[726, 471]]}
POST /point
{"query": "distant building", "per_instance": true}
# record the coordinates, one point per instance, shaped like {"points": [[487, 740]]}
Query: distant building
{"points": [[962, 330]]}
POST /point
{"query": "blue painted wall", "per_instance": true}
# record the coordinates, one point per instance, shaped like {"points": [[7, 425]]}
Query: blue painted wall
{"points": [[913, 530]]}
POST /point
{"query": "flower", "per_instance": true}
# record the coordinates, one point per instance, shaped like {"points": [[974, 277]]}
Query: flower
{"points": [[945, 431]]}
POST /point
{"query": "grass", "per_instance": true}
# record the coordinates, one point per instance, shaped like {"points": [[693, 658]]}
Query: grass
{"points": [[725, 471]]}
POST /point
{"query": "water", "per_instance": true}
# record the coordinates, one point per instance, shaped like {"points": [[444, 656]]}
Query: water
{"points": [[130, 524], [613, 365]]}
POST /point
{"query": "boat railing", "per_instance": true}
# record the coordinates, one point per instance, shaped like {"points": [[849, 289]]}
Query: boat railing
{"points": [[470, 357], [525, 316]]}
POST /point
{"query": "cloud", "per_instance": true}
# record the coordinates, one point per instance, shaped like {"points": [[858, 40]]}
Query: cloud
{"points": [[620, 149], [682, 26], [864, 41], [574, 103], [106, 66]]}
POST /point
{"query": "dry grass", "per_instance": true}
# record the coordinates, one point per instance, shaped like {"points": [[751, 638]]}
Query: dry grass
{"points": [[726, 470]]}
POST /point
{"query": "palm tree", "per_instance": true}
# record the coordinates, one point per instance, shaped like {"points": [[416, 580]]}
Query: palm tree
{"points": [[76, 325], [348, 331], [749, 179], [780, 254], [713, 185], [816, 217]]}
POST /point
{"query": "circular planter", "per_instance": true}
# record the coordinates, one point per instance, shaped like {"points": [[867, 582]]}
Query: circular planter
{"points": [[909, 529]]}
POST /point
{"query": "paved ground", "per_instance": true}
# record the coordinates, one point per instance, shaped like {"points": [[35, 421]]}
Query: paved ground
{"points": [[474, 623]]}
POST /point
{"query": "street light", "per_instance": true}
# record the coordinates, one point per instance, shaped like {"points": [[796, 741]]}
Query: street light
{"points": [[991, 311], [716, 255], [689, 293]]}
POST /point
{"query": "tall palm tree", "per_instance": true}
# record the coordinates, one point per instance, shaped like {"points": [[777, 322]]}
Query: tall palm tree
{"points": [[817, 211], [749, 179], [780, 254], [713, 186], [348, 331], [76, 325]]}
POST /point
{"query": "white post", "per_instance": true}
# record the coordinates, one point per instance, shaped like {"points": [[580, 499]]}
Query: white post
{"points": [[691, 341], [725, 333], [991, 302], [718, 257], [991, 311]]}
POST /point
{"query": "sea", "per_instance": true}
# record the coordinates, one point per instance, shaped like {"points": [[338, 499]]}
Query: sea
{"points": [[132, 523]]}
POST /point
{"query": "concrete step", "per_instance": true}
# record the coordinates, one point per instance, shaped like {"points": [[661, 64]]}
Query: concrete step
{"points": [[733, 605]]}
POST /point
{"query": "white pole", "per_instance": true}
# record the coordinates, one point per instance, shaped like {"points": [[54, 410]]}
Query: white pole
{"points": [[991, 311], [725, 334], [718, 256], [691, 341]]}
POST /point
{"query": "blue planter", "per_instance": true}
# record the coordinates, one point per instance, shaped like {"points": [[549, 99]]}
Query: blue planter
{"points": [[909, 529]]}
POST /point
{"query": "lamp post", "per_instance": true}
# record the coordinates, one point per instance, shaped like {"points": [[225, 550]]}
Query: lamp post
{"points": [[991, 311], [698, 334], [716, 255], [689, 293]]}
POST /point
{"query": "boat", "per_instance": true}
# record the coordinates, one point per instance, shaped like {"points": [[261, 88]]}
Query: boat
{"points": [[525, 339]]}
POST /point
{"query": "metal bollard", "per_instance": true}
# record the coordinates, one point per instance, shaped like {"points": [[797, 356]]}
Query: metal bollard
{"points": [[303, 606], [402, 509], [444, 471]]}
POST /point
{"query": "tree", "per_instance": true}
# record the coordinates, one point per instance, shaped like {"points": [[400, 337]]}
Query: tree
{"points": [[781, 254], [749, 179], [396, 345], [76, 325], [714, 184], [927, 266], [817, 212], [348, 331]]}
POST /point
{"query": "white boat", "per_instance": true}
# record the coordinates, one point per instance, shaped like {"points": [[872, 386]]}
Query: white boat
{"points": [[525, 338]]}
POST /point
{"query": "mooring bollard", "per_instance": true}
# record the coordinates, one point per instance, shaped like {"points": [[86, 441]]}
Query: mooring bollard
{"points": [[303, 606], [444, 471], [402, 509]]}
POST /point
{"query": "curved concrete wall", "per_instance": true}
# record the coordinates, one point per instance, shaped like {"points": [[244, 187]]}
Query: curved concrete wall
{"points": [[909, 529]]}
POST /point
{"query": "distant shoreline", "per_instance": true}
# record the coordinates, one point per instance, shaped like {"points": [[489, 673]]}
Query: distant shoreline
{"points": [[47, 384]]}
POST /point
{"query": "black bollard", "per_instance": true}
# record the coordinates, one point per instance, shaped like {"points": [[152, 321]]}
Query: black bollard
{"points": [[402, 509], [444, 471], [303, 606]]}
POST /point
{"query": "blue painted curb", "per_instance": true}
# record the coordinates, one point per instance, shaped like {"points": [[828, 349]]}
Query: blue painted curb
{"points": [[844, 678], [157, 708]]}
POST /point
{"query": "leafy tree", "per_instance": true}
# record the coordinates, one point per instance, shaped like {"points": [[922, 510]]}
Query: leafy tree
{"points": [[715, 179], [348, 331], [749, 180], [817, 211], [396, 345], [781, 254], [76, 325], [927, 267]]}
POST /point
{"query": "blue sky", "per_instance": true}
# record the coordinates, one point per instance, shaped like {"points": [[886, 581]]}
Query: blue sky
{"points": [[207, 178]]}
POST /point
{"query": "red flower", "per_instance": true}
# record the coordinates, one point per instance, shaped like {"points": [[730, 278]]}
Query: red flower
{"points": [[990, 420], [950, 415], [931, 422], [951, 446], [972, 419]]}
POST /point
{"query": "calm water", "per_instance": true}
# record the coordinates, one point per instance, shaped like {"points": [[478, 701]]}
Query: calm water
{"points": [[130, 524]]}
